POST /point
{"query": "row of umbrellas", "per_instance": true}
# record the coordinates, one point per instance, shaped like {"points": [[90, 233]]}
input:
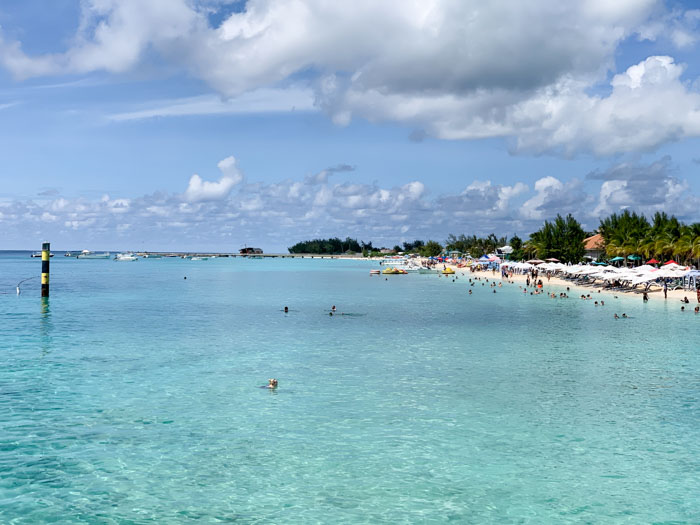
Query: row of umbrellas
{"points": [[633, 276], [638, 258], [614, 259]]}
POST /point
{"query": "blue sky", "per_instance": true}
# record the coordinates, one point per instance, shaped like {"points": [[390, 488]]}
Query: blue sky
{"points": [[207, 125]]}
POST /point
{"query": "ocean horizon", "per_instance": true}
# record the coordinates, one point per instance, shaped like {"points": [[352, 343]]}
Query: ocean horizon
{"points": [[134, 394]]}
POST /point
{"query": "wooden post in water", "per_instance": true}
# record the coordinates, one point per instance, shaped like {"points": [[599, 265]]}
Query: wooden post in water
{"points": [[45, 257]]}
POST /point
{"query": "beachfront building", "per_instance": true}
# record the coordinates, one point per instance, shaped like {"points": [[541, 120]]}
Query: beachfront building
{"points": [[250, 251], [594, 247]]}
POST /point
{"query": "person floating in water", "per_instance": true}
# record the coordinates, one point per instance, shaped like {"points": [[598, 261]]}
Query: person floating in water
{"points": [[286, 309], [333, 308], [272, 383]]}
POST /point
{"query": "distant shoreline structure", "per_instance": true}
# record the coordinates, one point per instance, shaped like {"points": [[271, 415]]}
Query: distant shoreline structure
{"points": [[180, 254]]}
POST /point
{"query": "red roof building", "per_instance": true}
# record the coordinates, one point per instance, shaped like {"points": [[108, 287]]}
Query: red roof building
{"points": [[594, 246]]}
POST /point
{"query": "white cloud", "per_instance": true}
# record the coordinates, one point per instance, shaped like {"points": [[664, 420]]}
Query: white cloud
{"points": [[199, 190], [276, 215], [645, 188], [553, 196], [457, 69]]}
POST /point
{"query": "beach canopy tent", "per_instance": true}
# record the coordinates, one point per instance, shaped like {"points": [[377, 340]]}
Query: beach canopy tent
{"points": [[600, 263], [652, 261], [552, 260], [670, 262], [535, 261], [615, 259], [691, 280], [633, 257]]}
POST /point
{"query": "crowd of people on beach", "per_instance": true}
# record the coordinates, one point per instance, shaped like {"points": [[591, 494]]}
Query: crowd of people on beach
{"points": [[534, 285]]}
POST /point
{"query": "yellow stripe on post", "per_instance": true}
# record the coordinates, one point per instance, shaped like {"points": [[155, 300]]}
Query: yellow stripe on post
{"points": [[45, 257]]}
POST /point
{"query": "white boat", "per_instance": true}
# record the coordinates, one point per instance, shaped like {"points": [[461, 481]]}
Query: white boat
{"points": [[87, 254], [126, 257], [199, 258], [400, 263], [152, 256]]}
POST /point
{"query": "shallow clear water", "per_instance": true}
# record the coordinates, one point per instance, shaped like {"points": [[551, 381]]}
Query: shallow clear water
{"points": [[131, 396]]}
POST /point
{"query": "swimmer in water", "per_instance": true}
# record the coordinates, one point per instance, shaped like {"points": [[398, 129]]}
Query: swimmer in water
{"points": [[333, 308], [272, 383], [286, 309], [624, 316], [616, 316]]}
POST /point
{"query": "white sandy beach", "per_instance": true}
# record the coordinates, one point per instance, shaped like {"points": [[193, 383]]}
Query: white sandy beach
{"points": [[577, 289]]}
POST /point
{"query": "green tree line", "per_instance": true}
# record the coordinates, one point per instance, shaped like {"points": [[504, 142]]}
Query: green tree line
{"points": [[624, 235], [663, 238], [332, 246]]}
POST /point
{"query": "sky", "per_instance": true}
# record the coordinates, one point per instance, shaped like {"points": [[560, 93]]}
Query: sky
{"points": [[199, 125]]}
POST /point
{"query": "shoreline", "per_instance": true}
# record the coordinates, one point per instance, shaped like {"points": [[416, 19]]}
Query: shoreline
{"points": [[594, 289]]}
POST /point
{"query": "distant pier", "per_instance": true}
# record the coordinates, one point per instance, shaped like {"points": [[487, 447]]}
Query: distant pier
{"points": [[254, 256]]}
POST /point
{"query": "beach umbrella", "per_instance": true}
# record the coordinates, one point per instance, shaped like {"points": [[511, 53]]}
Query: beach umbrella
{"points": [[670, 262], [600, 263], [552, 259], [652, 261], [633, 257], [535, 261], [618, 258]]}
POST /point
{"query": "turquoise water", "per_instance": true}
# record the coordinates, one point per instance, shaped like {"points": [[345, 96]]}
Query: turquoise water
{"points": [[131, 396]]}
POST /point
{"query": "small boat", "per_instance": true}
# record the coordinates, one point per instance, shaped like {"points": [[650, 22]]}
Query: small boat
{"points": [[199, 258], [427, 270], [152, 256], [126, 257], [374, 272], [38, 254], [448, 271], [87, 254]]}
